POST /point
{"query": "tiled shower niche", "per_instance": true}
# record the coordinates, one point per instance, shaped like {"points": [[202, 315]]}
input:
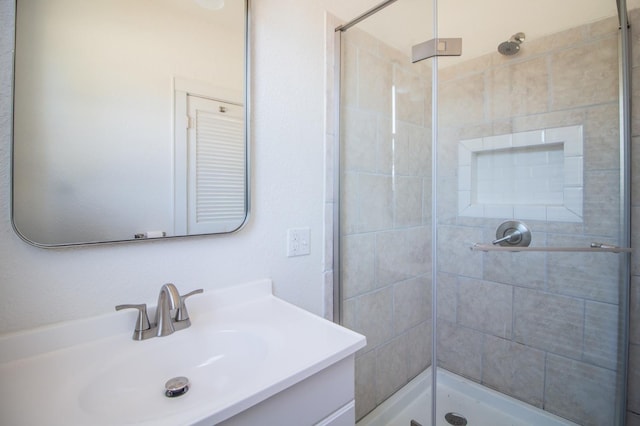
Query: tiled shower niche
{"points": [[533, 175]]}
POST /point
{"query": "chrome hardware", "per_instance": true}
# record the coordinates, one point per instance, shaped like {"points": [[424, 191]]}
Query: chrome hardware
{"points": [[436, 47], [605, 248], [169, 301], [176, 386], [602, 245], [182, 315], [512, 233], [455, 419], [142, 323]]}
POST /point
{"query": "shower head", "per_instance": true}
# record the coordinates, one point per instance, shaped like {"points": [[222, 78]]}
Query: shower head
{"points": [[508, 48], [511, 46]]}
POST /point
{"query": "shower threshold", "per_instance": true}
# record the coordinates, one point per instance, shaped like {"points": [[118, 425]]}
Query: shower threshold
{"points": [[478, 404]]}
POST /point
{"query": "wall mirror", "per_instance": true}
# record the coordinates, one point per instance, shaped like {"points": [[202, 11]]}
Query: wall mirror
{"points": [[129, 119]]}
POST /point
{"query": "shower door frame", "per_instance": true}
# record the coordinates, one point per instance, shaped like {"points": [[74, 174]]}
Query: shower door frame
{"points": [[624, 64], [624, 240]]}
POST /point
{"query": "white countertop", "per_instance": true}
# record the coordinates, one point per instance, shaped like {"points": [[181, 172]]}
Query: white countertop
{"points": [[64, 374]]}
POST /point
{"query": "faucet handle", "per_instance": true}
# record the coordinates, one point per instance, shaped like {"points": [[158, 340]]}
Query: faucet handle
{"points": [[142, 323], [182, 314]]}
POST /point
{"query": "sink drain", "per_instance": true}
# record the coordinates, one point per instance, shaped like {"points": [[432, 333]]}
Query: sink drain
{"points": [[455, 419], [176, 387]]}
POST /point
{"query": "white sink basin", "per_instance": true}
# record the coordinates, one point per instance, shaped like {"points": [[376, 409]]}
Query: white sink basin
{"points": [[130, 388], [244, 346]]}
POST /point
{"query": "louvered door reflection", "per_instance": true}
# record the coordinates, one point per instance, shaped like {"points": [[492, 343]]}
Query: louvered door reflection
{"points": [[216, 166]]}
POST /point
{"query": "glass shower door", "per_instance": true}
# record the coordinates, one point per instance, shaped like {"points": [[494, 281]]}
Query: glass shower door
{"points": [[385, 198], [530, 132], [523, 136]]}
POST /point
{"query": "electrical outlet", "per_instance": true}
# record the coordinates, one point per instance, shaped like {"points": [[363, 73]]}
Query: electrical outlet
{"points": [[298, 242]]}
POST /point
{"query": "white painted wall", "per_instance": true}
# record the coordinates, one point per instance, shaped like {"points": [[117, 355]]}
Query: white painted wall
{"points": [[39, 286]]}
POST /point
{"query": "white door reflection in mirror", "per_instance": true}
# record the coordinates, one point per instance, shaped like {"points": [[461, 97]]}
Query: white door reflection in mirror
{"points": [[215, 166]]}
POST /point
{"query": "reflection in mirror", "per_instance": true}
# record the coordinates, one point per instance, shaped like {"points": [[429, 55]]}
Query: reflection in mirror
{"points": [[129, 119]]}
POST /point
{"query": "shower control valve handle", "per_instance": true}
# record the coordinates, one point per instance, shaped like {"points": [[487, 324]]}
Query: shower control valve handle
{"points": [[513, 235]]}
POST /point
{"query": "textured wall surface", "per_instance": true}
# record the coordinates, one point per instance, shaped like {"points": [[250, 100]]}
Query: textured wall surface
{"points": [[287, 140]]}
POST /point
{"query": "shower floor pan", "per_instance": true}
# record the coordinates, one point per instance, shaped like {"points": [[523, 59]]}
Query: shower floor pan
{"points": [[478, 404]]}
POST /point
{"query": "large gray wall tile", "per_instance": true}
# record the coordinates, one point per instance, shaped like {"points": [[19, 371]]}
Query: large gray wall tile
{"points": [[580, 392], [521, 269], [587, 275], [358, 140], [365, 383], [459, 350], [447, 297], [412, 91], [375, 317], [519, 89], [357, 269], [419, 352], [374, 82], [408, 201], [391, 367], [411, 303], [454, 112], [375, 200], [602, 138], [578, 72], [549, 322], [402, 254], [454, 255], [349, 205], [411, 150], [485, 306], [514, 369], [601, 334], [602, 203]]}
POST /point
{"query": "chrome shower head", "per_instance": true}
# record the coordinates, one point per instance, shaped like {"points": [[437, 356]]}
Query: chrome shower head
{"points": [[511, 46], [508, 48]]}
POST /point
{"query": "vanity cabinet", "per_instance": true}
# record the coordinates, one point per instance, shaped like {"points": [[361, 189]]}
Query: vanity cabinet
{"points": [[324, 399]]}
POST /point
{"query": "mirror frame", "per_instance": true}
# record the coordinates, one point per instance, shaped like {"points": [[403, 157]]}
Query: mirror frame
{"points": [[247, 144]]}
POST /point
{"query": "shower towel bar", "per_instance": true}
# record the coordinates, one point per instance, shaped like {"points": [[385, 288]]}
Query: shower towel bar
{"points": [[595, 248]]}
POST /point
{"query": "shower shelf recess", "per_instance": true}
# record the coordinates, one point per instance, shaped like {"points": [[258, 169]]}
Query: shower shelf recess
{"points": [[604, 249]]}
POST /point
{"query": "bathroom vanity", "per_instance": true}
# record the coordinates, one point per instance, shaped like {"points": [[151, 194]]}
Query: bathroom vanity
{"points": [[250, 358]]}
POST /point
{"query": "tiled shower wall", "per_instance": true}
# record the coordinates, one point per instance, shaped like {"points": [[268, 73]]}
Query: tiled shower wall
{"points": [[541, 327], [386, 218], [538, 326]]}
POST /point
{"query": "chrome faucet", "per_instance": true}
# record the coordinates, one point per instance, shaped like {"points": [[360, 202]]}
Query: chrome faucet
{"points": [[169, 300]]}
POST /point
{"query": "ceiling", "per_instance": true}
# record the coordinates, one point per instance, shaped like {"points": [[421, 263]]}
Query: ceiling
{"points": [[482, 24]]}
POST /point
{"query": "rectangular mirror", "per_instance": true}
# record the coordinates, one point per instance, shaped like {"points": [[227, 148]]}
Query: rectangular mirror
{"points": [[129, 119]]}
